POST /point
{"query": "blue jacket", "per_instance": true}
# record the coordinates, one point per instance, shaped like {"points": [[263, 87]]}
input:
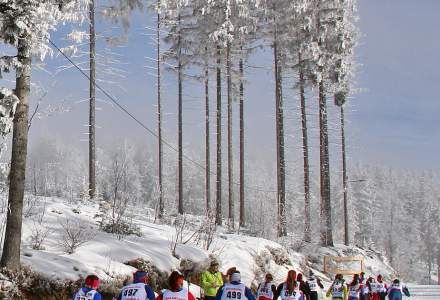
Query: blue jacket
{"points": [[247, 293], [85, 291], [148, 290], [396, 294]]}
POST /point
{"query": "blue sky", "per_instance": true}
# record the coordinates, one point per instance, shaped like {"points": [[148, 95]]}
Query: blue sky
{"points": [[397, 117], [393, 121]]}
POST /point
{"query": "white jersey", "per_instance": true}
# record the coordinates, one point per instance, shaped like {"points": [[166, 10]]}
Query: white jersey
{"points": [[294, 295], [233, 291], [353, 290], [373, 287], [265, 290], [180, 295], [380, 286], [338, 290], [313, 284], [134, 291], [80, 295]]}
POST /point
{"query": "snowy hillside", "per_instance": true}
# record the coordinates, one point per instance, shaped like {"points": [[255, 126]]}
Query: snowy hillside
{"points": [[104, 254]]}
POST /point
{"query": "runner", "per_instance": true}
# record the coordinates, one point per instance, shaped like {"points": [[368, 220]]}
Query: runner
{"points": [[302, 285], [396, 290], [364, 288], [139, 289], [381, 288], [266, 290], [235, 290], [175, 289], [289, 290], [88, 292], [354, 288], [338, 289], [313, 285]]}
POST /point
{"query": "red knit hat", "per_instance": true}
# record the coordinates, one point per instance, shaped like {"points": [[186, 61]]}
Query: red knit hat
{"points": [[92, 281]]}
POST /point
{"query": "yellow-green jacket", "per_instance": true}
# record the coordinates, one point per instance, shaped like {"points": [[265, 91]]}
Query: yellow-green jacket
{"points": [[211, 282], [331, 292]]}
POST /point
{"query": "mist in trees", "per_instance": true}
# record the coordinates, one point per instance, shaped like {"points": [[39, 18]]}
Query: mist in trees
{"points": [[298, 192]]}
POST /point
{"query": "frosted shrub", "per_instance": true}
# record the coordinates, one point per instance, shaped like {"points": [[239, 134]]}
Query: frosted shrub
{"points": [[73, 235]]}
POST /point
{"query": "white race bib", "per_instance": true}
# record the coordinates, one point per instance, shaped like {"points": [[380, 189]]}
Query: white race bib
{"points": [[180, 295], [294, 295], [265, 290], [135, 291], [85, 296], [338, 290], [233, 291], [353, 290]]}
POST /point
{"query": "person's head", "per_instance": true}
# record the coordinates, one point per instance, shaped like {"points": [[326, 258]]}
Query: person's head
{"points": [[362, 276], [92, 282], [140, 276], [339, 277], [379, 278], [236, 276], [311, 274], [175, 281], [396, 281], [229, 273], [268, 278], [291, 280], [291, 276], [355, 279], [214, 265], [299, 277]]}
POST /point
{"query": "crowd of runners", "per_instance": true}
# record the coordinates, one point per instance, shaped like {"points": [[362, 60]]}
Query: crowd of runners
{"points": [[215, 286]]}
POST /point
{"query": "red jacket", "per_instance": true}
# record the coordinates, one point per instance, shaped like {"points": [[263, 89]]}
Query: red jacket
{"points": [[190, 296]]}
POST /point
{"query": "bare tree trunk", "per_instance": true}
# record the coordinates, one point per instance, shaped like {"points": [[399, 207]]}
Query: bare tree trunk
{"points": [[391, 231], [230, 163], [242, 209], [307, 221], [344, 179], [180, 162], [326, 217], [282, 224], [218, 215], [159, 119], [438, 266], [207, 142], [92, 144], [12, 241]]}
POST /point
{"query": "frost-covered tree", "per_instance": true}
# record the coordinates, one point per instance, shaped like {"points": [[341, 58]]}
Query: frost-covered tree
{"points": [[8, 103], [25, 25], [92, 100], [298, 37], [342, 77], [275, 20], [121, 188], [235, 25], [178, 19]]}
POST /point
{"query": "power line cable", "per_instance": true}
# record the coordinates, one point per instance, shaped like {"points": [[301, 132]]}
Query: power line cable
{"points": [[125, 110]]}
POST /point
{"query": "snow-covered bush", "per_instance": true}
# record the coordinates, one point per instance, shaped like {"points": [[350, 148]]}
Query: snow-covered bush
{"points": [[262, 262], [74, 234], [279, 255], [120, 188], [157, 279], [38, 236], [26, 284]]}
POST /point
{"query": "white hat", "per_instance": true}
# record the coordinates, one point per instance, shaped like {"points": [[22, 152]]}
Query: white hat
{"points": [[236, 276]]}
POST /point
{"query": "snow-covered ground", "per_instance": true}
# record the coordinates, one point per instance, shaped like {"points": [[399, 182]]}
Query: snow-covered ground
{"points": [[105, 254]]}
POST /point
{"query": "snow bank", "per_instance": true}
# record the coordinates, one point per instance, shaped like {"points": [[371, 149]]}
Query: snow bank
{"points": [[104, 255]]}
